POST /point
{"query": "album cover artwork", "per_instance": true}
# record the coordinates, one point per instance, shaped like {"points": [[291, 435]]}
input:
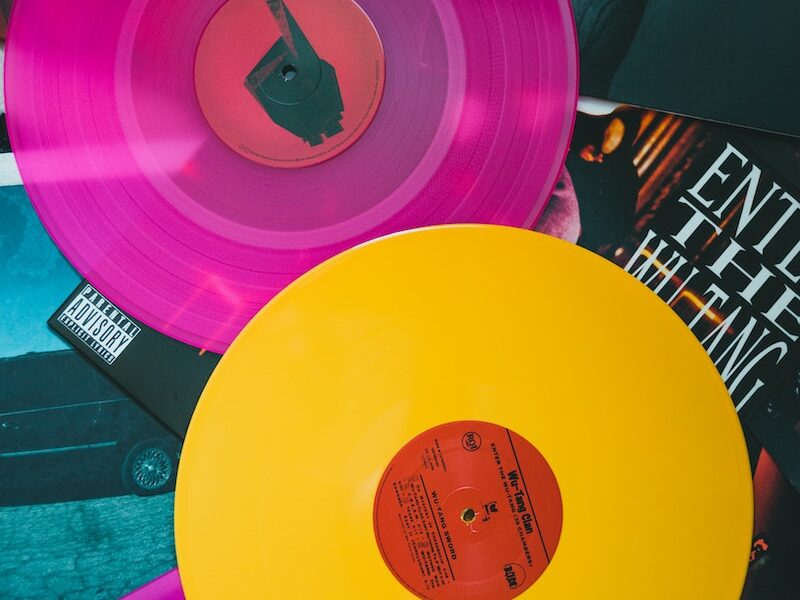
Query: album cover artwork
{"points": [[86, 477], [772, 573], [163, 375], [734, 61], [707, 216]]}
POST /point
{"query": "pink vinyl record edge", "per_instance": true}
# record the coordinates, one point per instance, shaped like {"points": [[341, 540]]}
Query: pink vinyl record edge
{"points": [[165, 587]]}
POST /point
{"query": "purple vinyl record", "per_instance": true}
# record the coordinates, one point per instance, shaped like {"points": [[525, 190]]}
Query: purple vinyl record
{"points": [[193, 157]]}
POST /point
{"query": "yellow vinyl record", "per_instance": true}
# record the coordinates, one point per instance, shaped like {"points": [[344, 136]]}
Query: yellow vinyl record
{"points": [[464, 412]]}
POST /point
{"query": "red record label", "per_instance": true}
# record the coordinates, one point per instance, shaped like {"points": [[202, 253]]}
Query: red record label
{"points": [[468, 509], [289, 84]]}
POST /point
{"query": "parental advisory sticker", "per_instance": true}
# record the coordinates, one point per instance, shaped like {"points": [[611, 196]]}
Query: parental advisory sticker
{"points": [[99, 324]]}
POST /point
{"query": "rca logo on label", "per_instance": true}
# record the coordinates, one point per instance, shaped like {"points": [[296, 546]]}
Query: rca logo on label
{"points": [[99, 324], [515, 575], [471, 441]]}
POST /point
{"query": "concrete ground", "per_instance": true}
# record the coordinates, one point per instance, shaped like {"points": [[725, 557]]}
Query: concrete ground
{"points": [[84, 550]]}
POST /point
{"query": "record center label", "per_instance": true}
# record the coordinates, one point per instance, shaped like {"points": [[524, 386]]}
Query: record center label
{"points": [[289, 84], [468, 509]]}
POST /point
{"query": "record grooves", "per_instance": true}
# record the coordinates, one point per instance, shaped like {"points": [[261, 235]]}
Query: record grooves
{"points": [[191, 236]]}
